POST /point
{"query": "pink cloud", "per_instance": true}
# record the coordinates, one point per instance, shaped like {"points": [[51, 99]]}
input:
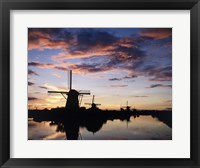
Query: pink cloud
{"points": [[62, 67], [57, 75], [127, 42], [62, 56], [157, 33], [40, 41]]}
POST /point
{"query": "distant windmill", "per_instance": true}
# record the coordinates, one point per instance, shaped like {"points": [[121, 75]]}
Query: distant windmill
{"points": [[72, 103], [93, 105], [127, 106]]}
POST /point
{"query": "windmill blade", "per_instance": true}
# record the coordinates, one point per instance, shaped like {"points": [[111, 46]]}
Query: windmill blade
{"points": [[70, 79], [80, 99], [86, 92], [93, 99], [61, 92]]}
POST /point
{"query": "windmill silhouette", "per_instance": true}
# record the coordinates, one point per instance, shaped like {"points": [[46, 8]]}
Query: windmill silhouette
{"points": [[71, 96], [93, 105], [127, 107]]}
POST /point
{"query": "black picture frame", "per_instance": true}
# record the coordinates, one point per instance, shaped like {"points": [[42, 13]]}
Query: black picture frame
{"points": [[7, 5]]}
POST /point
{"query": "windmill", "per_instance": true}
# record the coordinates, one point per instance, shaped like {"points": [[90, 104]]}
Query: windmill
{"points": [[93, 105], [71, 96], [127, 107]]}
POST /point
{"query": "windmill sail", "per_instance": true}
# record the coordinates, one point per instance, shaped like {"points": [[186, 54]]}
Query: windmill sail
{"points": [[70, 80], [72, 103], [61, 92], [86, 92]]}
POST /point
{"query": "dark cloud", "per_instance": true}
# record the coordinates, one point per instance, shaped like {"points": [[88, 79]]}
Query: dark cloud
{"points": [[91, 41], [125, 58], [43, 87], [159, 85], [115, 79], [48, 66], [127, 54], [30, 83], [125, 77], [32, 98], [55, 33], [61, 68], [155, 72], [106, 51], [30, 72], [130, 77], [40, 65], [161, 74], [91, 37], [34, 64], [92, 68], [120, 58], [118, 86], [135, 64], [49, 38]]}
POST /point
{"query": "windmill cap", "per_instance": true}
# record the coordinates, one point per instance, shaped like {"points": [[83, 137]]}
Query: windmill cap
{"points": [[73, 92]]}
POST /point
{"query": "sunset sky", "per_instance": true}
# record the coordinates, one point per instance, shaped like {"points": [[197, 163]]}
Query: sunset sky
{"points": [[115, 64]]}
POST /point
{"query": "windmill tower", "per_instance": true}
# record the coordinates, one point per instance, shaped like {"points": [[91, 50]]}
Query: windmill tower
{"points": [[71, 96], [93, 105]]}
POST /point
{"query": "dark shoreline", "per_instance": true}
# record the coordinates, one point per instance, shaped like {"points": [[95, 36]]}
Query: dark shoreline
{"points": [[97, 115]]}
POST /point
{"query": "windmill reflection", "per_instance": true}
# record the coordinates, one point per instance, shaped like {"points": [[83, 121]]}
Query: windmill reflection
{"points": [[72, 123], [93, 121], [71, 128]]}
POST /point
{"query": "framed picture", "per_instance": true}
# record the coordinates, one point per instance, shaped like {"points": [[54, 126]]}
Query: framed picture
{"points": [[99, 83]]}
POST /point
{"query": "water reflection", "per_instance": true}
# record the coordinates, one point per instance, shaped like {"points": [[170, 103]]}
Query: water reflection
{"points": [[136, 127]]}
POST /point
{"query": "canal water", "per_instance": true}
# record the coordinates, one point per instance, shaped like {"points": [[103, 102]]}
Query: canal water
{"points": [[137, 128]]}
